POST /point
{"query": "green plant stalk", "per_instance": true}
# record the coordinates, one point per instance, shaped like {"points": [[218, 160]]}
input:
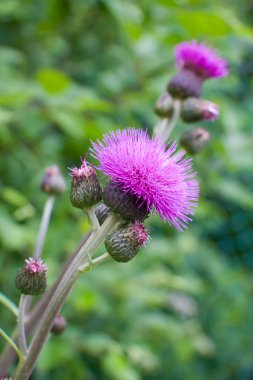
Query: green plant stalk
{"points": [[9, 355], [12, 344], [21, 324], [8, 304], [58, 298], [45, 219], [165, 127]]}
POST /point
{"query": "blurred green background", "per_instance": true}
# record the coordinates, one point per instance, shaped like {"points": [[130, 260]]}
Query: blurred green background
{"points": [[71, 70]]}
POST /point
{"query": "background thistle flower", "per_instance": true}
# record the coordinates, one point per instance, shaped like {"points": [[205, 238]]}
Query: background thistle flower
{"points": [[53, 181], [196, 62], [202, 60], [142, 167]]}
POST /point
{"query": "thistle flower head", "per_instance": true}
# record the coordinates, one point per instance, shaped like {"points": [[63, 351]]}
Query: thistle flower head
{"points": [[84, 171], [35, 265], [201, 59], [157, 177]]}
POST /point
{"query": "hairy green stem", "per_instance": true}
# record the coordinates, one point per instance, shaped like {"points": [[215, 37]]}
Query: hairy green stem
{"points": [[96, 261], [11, 343], [9, 355], [165, 127], [61, 292], [44, 225], [9, 304], [21, 324], [93, 218]]}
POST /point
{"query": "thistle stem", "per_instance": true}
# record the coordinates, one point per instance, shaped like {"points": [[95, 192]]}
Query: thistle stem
{"points": [[8, 304], [11, 343], [165, 127], [44, 226], [96, 261], [58, 298], [8, 356], [93, 218], [21, 324]]}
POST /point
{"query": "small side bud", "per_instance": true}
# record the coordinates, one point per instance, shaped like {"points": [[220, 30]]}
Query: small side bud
{"points": [[185, 84], [195, 140], [85, 187], [59, 325], [102, 211], [31, 278], [53, 181], [124, 204], [164, 105], [195, 109], [124, 243]]}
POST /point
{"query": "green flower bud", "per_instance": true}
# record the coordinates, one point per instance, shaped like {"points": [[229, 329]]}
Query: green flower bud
{"points": [[53, 181], [31, 277], [164, 105], [59, 325], [85, 187], [195, 109], [124, 243], [195, 140]]}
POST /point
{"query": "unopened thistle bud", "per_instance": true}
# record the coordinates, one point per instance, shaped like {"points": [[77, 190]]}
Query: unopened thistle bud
{"points": [[128, 206], [124, 243], [195, 140], [102, 211], [85, 187], [164, 105], [59, 325], [31, 277], [53, 181], [195, 109]]}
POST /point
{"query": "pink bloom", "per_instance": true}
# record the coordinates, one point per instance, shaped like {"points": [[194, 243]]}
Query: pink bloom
{"points": [[84, 171], [157, 177], [201, 59], [35, 266], [210, 111]]}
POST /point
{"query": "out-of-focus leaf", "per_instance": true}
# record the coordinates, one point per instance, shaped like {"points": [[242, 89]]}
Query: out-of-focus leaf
{"points": [[52, 80]]}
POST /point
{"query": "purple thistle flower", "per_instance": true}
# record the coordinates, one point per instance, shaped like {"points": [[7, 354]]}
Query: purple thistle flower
{"points": [[35, 266], [143, 167], [201, 59]]}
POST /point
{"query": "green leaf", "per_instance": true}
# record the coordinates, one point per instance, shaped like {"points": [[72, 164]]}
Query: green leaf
{"points": [[52, 80]]}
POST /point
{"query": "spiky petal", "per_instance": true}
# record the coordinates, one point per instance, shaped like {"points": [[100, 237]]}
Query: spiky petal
{"points": [[143, 167], [201, 59]]}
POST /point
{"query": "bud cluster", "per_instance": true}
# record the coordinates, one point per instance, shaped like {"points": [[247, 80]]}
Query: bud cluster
{"points": [[195, 63]]}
